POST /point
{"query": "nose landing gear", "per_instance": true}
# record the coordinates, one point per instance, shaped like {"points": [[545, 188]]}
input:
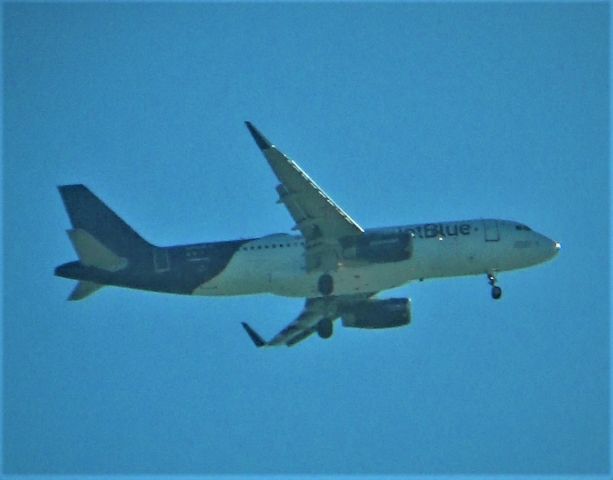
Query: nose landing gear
{"points": [[496, 290]]}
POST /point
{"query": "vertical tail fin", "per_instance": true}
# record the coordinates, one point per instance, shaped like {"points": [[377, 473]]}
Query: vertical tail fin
{"points": [[87, 212]]}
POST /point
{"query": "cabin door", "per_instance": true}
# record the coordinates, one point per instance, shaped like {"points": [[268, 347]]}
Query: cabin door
{"points": [[490, 227], [160, 260]]}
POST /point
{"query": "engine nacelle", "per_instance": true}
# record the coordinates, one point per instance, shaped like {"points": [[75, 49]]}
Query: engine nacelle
{"points": [[389, 313], [378, 247]]}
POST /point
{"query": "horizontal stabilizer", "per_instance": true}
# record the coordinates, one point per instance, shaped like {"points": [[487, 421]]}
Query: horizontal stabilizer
{"points": [[84, 289], [257, 340], [92, 253]]}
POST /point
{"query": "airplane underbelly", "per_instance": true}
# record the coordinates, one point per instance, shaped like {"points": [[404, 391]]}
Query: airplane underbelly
{"points": [[346, 281], [293, 281]]}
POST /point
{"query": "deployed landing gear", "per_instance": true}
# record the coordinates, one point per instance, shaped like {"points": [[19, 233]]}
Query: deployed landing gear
{"points": [[324, 328], [325, 285], [496, 290]]}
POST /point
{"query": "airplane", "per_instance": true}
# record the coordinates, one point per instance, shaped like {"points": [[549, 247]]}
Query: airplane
{"points": [[335, 264]]}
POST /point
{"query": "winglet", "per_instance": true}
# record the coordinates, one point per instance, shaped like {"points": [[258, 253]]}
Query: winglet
{"points": [[260, 139], [257, 340]]}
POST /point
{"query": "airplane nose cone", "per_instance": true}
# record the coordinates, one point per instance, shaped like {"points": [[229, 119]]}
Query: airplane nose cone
{"points": [[554, 248], [547, 248]]}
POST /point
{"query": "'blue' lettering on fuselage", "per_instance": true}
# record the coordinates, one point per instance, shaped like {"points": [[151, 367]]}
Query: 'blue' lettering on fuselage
{"points": [[434, 230]]}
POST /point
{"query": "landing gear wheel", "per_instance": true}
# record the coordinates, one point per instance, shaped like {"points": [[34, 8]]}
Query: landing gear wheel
{"points": [[325, 285], [496, 292], [324, 328]]}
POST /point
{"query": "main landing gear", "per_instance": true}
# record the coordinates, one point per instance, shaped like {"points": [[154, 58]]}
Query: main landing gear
{"points": [[325, 285], [496, 290], [325, 328]]}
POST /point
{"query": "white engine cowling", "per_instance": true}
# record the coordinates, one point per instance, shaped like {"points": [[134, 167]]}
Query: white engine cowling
{"points": [[388, 313]]}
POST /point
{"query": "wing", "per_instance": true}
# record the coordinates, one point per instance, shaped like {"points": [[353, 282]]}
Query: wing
{"points": [[319, 219], [315, 310], [302, 327]]}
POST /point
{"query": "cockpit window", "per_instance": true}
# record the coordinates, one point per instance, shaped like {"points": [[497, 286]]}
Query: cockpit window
{"points": [[523, 227]]}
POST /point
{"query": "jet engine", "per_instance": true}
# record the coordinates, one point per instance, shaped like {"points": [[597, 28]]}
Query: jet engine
{"points": [[378, 247], [392, 312]]}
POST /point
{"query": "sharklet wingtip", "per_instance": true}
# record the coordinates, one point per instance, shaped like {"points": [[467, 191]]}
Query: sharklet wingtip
{"points": [[261, 141], [255, 338]]}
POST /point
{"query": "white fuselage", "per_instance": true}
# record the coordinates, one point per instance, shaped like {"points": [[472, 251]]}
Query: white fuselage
{"points": [[276, 263]]}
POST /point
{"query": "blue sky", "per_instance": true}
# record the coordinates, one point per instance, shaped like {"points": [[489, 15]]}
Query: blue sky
{"points": [[403, 113]]}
